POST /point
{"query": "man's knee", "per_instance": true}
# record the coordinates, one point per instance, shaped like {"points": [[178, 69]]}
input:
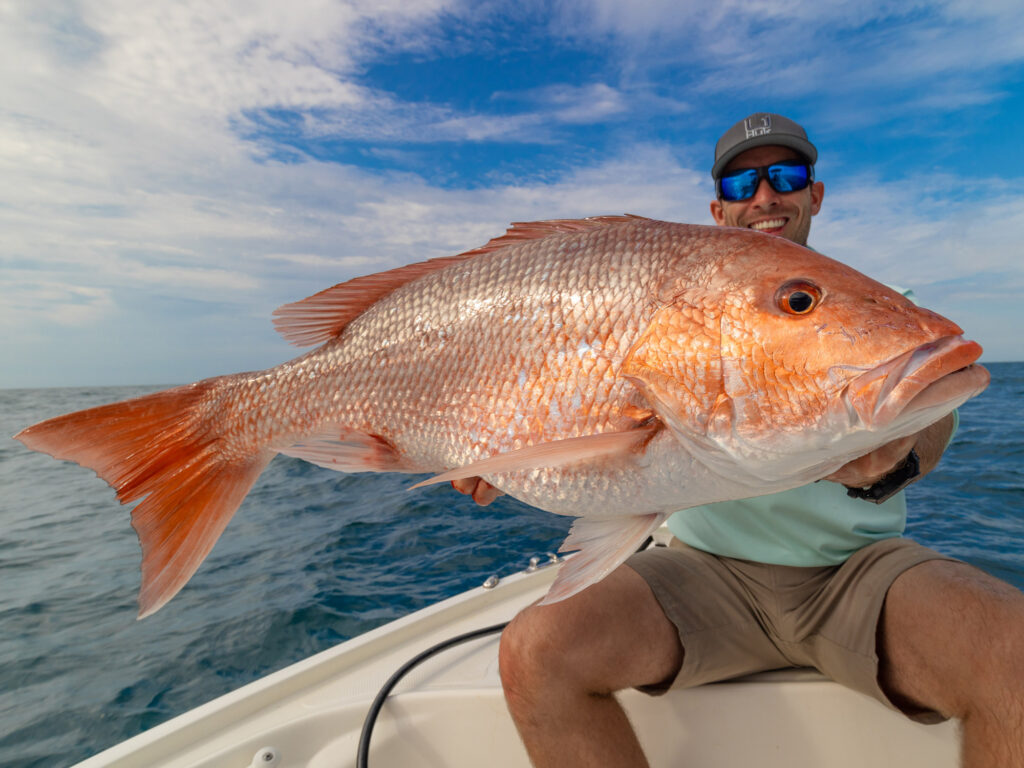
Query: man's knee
{"points": [[531, 650], [611, 636], [997, 670], [956, 640]]}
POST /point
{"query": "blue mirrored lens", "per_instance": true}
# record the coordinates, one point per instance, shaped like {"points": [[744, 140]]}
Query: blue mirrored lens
{"points": [[740, 186], [787, 178]]}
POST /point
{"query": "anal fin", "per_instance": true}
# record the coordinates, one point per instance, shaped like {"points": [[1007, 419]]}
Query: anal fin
{"points": [[604, 544]]}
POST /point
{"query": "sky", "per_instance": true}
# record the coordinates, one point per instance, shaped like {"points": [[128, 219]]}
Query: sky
{"points": [[171, 172]]}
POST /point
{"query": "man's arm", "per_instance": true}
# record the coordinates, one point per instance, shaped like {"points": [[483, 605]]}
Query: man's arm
{"points": [[929, 443]]}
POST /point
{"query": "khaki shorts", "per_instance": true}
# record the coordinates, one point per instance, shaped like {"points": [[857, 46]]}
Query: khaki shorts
{"points": [[737, 617]]}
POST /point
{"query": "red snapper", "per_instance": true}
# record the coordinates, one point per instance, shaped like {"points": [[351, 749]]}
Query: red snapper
{"points": [[616, 369]]}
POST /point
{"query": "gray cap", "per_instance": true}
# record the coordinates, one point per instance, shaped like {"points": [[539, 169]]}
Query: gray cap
{"points": [[759, 130]]}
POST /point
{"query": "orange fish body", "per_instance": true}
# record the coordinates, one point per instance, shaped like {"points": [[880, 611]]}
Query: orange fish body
{"points": [[615, 368]]}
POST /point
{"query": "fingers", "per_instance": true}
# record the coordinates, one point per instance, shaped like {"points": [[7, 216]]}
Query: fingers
{"points": [[483, 493], [869, 469], [466, 485]]}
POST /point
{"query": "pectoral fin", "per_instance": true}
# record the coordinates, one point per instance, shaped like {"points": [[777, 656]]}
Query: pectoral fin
{"points": [[554, 454], [346, 451], [604, 544]]}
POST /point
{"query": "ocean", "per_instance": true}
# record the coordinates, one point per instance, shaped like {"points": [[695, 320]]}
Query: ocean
{"points": [[314, 558]]}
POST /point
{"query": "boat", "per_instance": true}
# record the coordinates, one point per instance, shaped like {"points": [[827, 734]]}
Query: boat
{"points": [[448, 710]]}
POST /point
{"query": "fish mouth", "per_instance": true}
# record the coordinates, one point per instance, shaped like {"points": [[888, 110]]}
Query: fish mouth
{"points": [[938, 375]]}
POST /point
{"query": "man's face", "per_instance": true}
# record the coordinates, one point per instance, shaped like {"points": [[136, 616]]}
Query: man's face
{"points": [[787, 214]]}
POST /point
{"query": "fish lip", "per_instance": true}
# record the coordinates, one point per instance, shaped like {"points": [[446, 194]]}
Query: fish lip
{"points": [[959, 385], [938, 371]]}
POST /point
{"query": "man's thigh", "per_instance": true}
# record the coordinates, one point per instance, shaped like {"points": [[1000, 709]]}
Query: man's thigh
{"points": [[720, 621], [951, 635]]}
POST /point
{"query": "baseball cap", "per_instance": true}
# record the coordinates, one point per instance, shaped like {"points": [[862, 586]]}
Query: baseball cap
{"points": [[759, 130]]}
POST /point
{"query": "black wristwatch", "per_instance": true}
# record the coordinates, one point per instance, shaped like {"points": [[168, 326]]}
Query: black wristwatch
{"points": [[906, 473]]}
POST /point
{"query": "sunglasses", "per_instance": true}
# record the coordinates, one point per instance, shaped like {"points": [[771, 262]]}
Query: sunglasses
{"points": [[742, 184]]}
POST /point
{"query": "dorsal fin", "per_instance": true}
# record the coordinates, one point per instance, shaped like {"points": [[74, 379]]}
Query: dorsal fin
{"points": [[535, 230], [324, 315]]}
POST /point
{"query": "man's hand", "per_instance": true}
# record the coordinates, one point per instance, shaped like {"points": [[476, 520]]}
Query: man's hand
{"points": [[869, 469], [483, 493]]}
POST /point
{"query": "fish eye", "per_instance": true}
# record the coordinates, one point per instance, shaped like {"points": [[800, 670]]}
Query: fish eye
{"points": [[798, 297]]}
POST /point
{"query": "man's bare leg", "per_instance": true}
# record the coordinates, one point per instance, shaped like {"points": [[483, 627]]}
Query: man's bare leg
{"points": [[561, 664], [952, 640]]}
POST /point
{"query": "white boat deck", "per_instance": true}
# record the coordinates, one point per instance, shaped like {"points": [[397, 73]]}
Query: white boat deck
{"points": [[450, 712]]}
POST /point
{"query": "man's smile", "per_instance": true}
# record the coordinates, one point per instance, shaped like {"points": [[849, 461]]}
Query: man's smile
{"points": [[772, 226]]}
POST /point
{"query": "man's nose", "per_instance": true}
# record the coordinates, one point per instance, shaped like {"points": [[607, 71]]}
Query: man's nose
{"points": [[764, 194]]}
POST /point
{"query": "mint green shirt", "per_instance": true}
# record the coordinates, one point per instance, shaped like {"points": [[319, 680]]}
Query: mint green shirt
{"points": [[813, 525], [816, 524]]}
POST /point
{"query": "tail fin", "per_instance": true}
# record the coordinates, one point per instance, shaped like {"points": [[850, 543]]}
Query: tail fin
{"points": [[159, 448]]}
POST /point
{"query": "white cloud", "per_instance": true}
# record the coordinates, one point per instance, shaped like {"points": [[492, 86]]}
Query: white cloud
{"points": [[380, 117], [774, 48], [226, 56], [913, 229], [63, 304], [570, 103]]}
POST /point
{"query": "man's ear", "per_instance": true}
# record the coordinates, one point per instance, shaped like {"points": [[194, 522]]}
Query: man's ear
{"points": [[817, 195], [717, 213]]}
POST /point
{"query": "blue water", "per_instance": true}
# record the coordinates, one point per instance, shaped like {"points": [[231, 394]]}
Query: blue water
{"points": [[314, 558]]}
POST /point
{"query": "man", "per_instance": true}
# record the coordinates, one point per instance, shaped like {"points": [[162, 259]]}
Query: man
{"points": [[929, 636]]}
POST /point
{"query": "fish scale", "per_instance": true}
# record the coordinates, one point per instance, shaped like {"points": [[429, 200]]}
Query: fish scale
{"points": [[615, 369], [482, 354]]}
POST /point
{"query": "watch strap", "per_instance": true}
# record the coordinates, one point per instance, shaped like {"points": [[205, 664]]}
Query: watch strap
{"points": [[884, 489]]}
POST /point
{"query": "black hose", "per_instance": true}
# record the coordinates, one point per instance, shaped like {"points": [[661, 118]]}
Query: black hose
{"points": [[371, 717], [362, 757]]}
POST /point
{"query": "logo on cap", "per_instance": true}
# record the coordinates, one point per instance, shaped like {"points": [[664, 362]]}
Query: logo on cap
{"points": [[753, 129]]}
